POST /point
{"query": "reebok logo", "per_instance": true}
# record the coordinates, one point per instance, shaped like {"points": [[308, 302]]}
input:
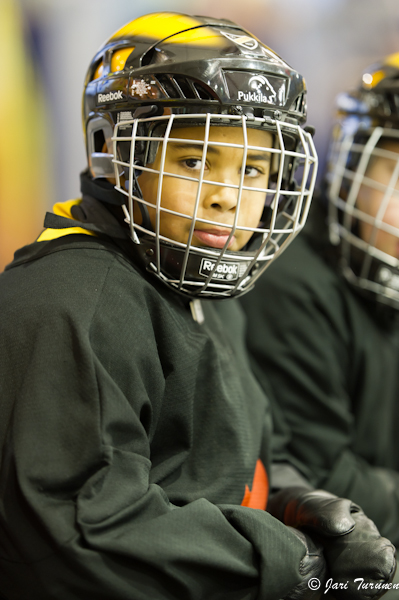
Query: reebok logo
{"points": [[110, 97], [224, 271]]}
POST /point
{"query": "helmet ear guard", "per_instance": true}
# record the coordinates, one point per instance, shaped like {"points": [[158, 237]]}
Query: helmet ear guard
{"points": [[99, 134]]}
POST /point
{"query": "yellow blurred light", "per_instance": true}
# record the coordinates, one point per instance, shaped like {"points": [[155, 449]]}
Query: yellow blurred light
{"points": [[24, 172], [367, 79], [392, 60], [370, 80]]}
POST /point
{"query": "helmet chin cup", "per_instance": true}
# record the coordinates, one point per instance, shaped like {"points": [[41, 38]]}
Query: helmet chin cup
{"points": [[205, 276]]}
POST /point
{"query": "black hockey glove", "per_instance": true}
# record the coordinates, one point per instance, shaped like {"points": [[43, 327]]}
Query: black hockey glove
{"points": [[353, 546], [313, 565]]}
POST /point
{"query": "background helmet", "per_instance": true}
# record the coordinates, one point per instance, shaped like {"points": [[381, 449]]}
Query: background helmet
{"points": [[164, 71], [367, 124]]}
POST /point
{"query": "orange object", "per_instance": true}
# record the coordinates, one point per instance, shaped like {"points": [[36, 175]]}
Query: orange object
{"points": [[257, 497]]}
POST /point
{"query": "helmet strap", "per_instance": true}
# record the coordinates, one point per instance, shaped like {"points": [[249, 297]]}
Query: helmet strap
{"points": [[101, 189], [146, 222]]}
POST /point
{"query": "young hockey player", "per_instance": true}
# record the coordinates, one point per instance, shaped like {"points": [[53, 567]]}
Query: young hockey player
{"points": [[135, 441], [323, 327]]}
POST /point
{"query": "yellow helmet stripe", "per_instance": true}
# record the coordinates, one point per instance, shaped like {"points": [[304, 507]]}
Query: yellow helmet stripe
{"points": [[202, 36], [157, 26]]}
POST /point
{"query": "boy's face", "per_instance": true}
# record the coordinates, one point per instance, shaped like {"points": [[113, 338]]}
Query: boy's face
{"points": [[370, 201], [217, 203]]}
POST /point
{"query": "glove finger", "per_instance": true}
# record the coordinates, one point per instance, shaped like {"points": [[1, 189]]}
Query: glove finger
{"points": [[362, 555], [312, 567], [321, 513]]}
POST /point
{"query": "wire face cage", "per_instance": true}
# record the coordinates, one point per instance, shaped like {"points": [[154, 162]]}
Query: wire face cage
{"points": [[212, 199], [364, 209]]}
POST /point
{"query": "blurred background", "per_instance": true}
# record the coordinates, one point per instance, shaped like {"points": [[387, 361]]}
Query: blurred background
{"points": [[46, 46]]}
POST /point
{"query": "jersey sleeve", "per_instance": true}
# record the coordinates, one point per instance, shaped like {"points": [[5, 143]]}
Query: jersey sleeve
{"points": [[80, 516]]}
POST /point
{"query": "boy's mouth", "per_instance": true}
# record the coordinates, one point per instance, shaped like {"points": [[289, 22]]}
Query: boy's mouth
{"points": [[214, 238]]}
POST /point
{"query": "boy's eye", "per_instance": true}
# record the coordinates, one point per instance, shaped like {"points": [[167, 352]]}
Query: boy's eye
{"points": [[192, 163], [252, 171]]}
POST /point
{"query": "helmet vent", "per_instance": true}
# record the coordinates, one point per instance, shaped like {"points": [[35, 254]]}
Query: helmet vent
{"points": [[178, 86], [169, 86], [299, 104], [202, 91], [186, 89]]}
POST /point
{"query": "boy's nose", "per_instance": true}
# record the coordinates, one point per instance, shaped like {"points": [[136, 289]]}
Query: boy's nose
{"points": [[220, 197]]}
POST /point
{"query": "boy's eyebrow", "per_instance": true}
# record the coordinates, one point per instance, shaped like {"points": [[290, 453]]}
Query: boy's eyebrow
{"points": [[264, 156], [214, 150], [181, 146]]}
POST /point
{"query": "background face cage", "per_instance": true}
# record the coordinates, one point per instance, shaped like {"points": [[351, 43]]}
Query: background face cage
{"points": [[364, 264], [203, 271]]}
